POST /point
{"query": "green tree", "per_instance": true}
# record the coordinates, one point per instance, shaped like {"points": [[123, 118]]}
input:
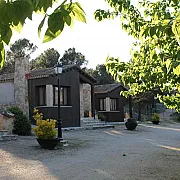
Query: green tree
{"points": [[20, 48], [47, 59], [141, 100], [155, 61], [101, 75], [13, 14], [71, 57]]}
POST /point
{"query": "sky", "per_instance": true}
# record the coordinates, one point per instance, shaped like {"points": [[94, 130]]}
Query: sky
{"points": [[95, 40]]}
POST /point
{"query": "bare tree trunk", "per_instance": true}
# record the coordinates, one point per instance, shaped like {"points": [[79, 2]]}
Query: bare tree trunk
{"points": [[139, 111], [130, 107]]}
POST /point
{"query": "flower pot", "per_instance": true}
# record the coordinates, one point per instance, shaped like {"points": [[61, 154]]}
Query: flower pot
{"points": [[155, 122], [48, 143], [131, 124]]}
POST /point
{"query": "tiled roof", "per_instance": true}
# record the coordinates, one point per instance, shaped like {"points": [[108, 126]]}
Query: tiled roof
{"points": [[6, 77], [106, 88], [40, 73]]}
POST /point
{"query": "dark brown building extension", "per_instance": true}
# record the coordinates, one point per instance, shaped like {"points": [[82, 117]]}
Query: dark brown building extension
{"points": [[109, 102], [42, 85]]}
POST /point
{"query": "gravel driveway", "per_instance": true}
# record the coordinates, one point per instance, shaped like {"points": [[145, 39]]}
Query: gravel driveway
{"points": [[149, 153]]}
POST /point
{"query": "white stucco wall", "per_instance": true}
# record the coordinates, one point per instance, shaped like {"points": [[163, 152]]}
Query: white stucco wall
{"points": [[6, 93]]}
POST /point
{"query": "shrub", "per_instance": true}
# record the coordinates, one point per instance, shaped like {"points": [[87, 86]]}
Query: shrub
{"points": [[131, 124], [45, 128], [102, 117], [155, 118], [22, 125]]}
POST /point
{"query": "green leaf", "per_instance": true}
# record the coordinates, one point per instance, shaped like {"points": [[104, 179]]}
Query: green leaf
{"points": [[19, 27], [6, 12], [41, 25], [152, 31], [49, 35], [55, 22], [6, 34], [67, 19], [47, 4], [77, 12], [176, 28], [177, 70], [168, 62], [2, 54], [22, 10]]}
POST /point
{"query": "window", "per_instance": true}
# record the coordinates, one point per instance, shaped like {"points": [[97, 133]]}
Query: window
{"points": [[113, 104], [41, 95], [64, 96], [102, 104]]}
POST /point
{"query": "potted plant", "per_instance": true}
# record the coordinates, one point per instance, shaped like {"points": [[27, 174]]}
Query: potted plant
{"points": [[45, 131], [155, 118], [131, 124]]}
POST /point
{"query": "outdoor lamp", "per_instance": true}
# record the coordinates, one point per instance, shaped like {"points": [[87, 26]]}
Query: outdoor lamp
{"points": [[58, 70]]}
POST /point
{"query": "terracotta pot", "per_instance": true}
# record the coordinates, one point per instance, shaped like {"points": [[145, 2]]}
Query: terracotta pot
{"points": [[48, 143]]}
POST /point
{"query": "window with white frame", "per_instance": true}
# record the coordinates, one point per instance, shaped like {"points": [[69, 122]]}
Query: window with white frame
{"points": [[41, 95], [102, 104], [113, 104], [64, 96]]}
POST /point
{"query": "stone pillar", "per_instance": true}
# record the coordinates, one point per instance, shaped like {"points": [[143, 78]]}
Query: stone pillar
{"points": [[81, 101], [87, 98], [49, 95], [107, 104], [20, 83]]}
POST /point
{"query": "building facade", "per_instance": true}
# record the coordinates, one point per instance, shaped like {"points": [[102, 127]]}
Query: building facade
{"points": [[109, 104]]}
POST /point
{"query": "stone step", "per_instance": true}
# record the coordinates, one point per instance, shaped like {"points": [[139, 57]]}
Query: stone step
{"points": [[8, 137], [91, 121], [96, 124], [87, 118], [99, 127]]}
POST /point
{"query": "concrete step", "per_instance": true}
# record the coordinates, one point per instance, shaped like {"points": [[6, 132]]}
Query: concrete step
{"points": [[99, 127], [8, 137]]}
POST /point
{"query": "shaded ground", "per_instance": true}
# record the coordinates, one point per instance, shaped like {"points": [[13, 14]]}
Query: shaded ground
{"points": [[150, 153]]}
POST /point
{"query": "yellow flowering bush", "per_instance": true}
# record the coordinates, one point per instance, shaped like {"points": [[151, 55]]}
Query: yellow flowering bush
{"points": [[155, 117], [45, 128]]}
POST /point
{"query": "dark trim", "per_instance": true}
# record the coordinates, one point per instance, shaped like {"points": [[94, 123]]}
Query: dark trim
{"points": [[85, 79], [37, 88], [63, 90]]}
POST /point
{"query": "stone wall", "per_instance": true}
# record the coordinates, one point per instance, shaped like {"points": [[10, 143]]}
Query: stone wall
{"points": [[6, 123], [87, 98]]}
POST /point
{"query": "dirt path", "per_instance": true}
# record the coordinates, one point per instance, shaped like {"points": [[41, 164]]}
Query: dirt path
{"points": [[150, 153]]}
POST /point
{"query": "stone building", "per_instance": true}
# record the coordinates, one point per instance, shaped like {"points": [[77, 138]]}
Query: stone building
{"points": [[13, 86]]}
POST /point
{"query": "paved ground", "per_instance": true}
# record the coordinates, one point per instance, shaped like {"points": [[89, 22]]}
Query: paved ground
{"points": [[150, 153]]}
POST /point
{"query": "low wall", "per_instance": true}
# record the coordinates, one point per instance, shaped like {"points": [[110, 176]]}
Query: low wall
{"points": [[6, 123]]}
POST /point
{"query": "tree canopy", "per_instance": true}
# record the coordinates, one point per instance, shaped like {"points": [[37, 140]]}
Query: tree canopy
{"points": [[47, 59], [155, 61], [13, 14], [71, 57], [101, 75], [20, 48]]}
